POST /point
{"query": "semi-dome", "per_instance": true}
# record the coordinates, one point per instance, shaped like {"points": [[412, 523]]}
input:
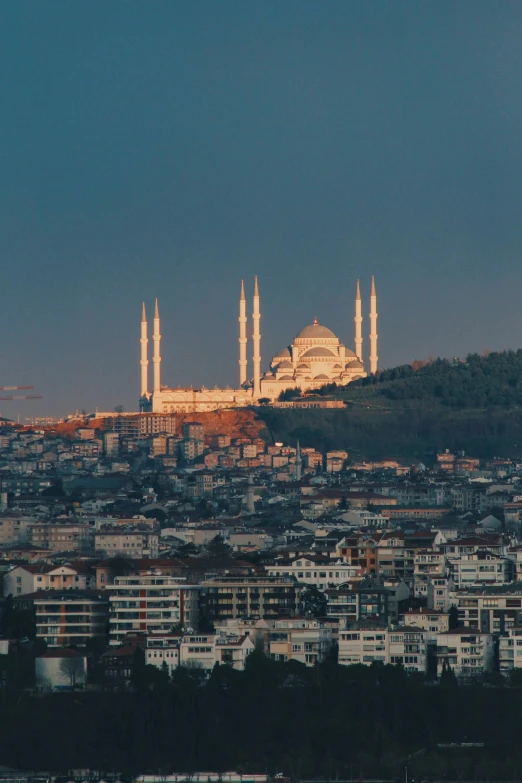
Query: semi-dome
{"points": [[354, 365], [303, 366], [315, 332], [286, 378], [317, 350], [283, 353], [321, 378], [285, 366]]}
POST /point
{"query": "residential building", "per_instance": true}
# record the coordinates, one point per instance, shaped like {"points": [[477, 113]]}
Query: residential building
{"points": [[467, 651], [321, 572], [163, 648], [61, 536], [150, 603], [28, 578], [129, 543], [430, 620], [492, 609], [69, 617], [468, 569], [304, 639], [510, 649], [250, 596]]}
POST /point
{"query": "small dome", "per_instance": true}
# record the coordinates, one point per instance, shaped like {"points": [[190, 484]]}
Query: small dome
{"points": [[321, 378], [354, 365], [303, 366], [286, 378], [315, 331], [338, 367], [284, 353], [318, 350], [285, 366]]}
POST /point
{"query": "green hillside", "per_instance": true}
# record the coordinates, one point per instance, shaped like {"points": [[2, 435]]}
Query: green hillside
{"points": [[413, 411]]}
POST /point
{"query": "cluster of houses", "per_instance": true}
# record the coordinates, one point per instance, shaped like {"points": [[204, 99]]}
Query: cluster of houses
{"points": [[218, 546]]}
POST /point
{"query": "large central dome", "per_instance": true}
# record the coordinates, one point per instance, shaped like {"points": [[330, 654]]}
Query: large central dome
{"points": [[315, 332]]}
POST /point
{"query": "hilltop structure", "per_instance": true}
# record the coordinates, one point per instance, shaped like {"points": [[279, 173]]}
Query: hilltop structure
{"points": [[315, 357]]}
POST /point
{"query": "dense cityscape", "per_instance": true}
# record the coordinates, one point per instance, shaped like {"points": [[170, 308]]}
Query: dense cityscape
{"points": [[137, 546]]}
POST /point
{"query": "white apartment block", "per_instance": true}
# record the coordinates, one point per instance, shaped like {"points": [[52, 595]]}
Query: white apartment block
{"points": [[426, 565], [163, 648], [468, 569], [127, 543], [432, 621], [14, 529], [319, 572], [205, 650], [510, 650], [492, 609], [439, 592], [366, 643], [150, 604], [467, 651], [302, 639]]}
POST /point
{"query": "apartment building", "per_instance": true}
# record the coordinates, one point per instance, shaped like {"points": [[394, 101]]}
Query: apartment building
{"points": [[61, 537], [127, 543], [368, 599], [321, 572], [163, 648], [29, 578], [440, 589], [426, 565], [432, 621], [303, 639], [250, 596], [150, 603], [205, 650], [366, 643], [467, 651], [481, 566], [68, 617], [492, 609], [510, 649], [14, 529]]}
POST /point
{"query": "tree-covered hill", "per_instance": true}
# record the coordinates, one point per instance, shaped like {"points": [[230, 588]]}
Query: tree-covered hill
{"points": [[415, 410], [478, 381]]}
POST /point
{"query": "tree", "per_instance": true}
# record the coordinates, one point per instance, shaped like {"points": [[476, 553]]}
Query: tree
{"points": [[264, 401], [118, 409], [218, 547], [73, 667], [453, 617], [289, 394]]}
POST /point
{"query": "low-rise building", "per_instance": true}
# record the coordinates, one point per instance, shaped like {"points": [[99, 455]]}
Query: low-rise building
{"points": [[467, 651], [366, 643], [304, 639]]}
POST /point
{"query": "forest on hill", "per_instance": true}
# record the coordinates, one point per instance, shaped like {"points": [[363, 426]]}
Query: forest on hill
{"points": [[413, 411]]}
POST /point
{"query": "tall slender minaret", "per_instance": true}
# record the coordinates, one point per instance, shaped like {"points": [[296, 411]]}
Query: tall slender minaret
{"points": [[144, 360], [156, 358], [373, 329], [256, 341], [298, 462], [242, 336], [358, 323]]}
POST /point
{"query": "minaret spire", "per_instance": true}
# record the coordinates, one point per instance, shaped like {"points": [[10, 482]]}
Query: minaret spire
{"points": [[373, 329], [358, 322], [144, 359], [256, 341], [242, 336], [156, 359]]}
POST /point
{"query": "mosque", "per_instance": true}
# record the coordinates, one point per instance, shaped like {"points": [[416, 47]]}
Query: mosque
{"points": [[314, 357]]}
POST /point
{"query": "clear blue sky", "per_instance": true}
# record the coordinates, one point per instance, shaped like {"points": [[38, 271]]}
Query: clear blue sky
{"points": [[170, 148]]}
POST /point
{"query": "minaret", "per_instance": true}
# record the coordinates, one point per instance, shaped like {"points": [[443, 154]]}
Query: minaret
{"points": [[373, 329], [358, 323], [144, 361], [298, 462], [156, 359], [256, 341], [242, 336]]}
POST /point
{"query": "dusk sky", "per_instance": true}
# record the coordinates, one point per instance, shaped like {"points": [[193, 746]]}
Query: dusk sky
{"points": [[171, 148]]}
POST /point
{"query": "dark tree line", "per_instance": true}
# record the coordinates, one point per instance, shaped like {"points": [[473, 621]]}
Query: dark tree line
{"points": [[330, 721]]}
